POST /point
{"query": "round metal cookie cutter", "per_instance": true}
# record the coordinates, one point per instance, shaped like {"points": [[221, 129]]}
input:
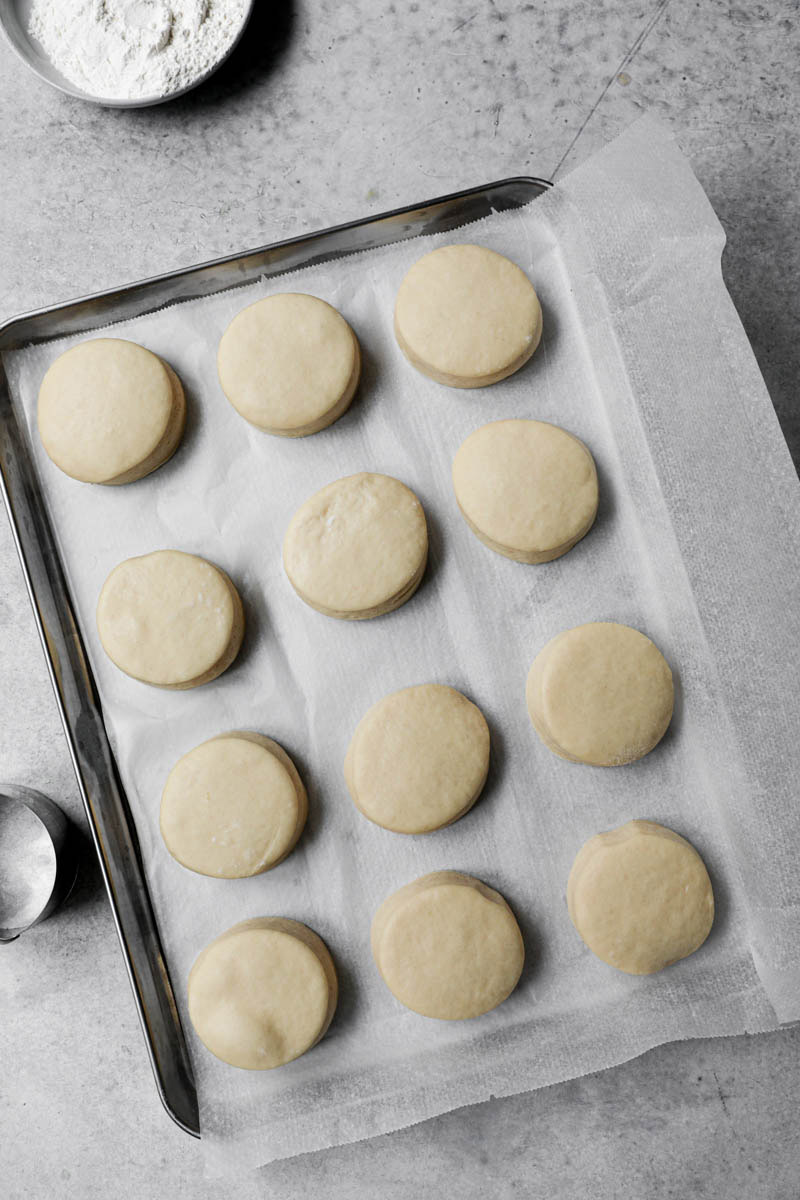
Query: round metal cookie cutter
{"points": [[38, 860]]}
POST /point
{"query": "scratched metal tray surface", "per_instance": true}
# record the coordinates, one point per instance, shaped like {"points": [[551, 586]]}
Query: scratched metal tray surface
{"points": [[101, 789]]}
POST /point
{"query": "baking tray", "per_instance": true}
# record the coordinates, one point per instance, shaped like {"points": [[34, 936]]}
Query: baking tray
{"points": [[102, 793]]}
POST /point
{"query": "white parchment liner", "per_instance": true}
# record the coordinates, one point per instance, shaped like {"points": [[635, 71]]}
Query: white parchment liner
{"points": [[644, 358]]}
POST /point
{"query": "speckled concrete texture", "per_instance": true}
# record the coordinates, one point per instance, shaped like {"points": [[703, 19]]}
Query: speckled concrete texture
{"points": [[332, 110]]}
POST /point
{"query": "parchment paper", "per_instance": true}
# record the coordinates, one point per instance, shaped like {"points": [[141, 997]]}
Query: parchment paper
{"points": [[644, 358]]}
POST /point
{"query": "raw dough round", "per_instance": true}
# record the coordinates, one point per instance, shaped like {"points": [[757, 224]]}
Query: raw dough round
{"points": [[233, 807], [466, 316], [110, 411], [262, 993], [600, 694], [418, 759], [289, 364], [358, 547], [527, 489], [448, 946], [640, 897], [170, 619]]}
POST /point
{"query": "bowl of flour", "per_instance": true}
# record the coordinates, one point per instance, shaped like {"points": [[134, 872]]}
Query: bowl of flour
{"points": [[124, 53]]}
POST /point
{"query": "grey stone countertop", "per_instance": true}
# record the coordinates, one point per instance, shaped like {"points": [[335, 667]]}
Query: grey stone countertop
{"points": [[332, 110]]}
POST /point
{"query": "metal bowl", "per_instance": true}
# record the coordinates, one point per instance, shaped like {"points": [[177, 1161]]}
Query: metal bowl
{"points": [[14, 16], [38, 862]]}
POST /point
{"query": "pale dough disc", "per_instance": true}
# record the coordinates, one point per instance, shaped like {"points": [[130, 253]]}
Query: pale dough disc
{"points": [[527, 489], [110, 411], [600, 694], [358, 547], [466, 316], [640, 897], [262, 993], [289, 364], [233, 806], [170, 619], [448, 946], [418, 759]]}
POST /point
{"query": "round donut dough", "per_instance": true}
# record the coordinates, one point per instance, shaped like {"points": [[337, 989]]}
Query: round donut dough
{"points": [[418, 759], [600, 694], [527, 489], [358, 547], [110, 411], [640, 897], [262, 993], [289, 364], [466, 316], [170, 619], [233, 807], [448, 946]]}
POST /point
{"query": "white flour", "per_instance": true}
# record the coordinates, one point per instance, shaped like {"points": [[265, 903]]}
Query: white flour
{"points": [[134, 49]]}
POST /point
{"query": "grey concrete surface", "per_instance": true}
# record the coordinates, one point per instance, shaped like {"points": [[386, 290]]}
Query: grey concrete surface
{"points": [[331, 110]]}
